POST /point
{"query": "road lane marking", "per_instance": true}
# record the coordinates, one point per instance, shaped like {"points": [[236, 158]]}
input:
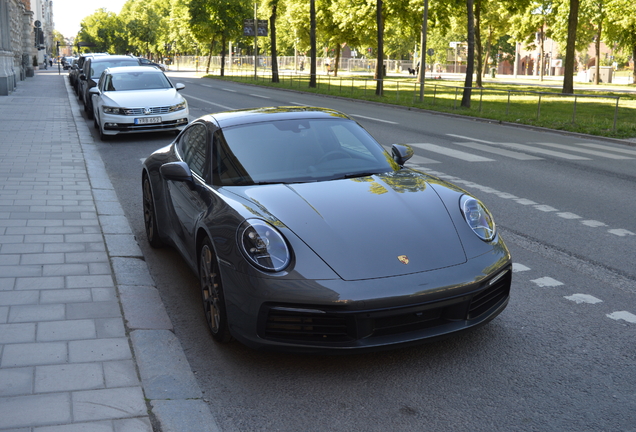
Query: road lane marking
{"points": [[516, 267], [547, 282], [621, 232], [259, 96], [374, 119], [568, 215], [527, 148], [208, 102], [602, 147], [230, 90], [421, 160], [623, 315], [583, 298], [593, 223], [207, 85], [580, 150], [498, 151], [468, 157]]}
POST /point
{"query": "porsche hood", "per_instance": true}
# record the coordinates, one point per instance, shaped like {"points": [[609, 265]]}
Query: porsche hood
{"points": [[370, 227]]}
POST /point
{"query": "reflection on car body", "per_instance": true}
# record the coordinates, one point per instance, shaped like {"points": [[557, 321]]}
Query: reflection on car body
{"points": [[308, 236]]}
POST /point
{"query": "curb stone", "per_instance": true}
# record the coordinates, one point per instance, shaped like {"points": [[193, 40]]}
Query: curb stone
{"points": [[174, 397]]}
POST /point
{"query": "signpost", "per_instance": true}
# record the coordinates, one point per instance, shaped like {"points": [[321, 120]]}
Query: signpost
{"points": [[255, 27]]}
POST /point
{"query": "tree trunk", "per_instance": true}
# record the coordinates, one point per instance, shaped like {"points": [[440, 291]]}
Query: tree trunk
{"points": [[470, 63], [634, 64], [336, 61], [223, 55], [597, 48], [480, 52], [570, 49], [312, 37], [272, 38], [421, 71], [207, 68], [379, 66]]}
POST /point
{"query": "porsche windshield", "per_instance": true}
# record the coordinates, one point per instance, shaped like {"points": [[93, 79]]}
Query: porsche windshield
{"points": [[296, 151]]}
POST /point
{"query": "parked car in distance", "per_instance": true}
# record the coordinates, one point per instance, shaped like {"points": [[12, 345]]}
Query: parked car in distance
{"points": [[137, 99], [93, 69], [67, 62], [76, 69], [308, 236], [145, 62]]}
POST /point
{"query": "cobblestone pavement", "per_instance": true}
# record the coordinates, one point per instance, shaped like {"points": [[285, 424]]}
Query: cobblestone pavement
{"points": [[85, 343]]}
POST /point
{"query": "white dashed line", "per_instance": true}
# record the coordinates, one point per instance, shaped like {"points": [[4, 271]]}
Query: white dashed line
{"points": [[524, 201], [593, 223], [374, 119], [516, 267], [229, 90], [545, 208], [208, 102], [567, 215], [259, 96], [547, 282], [583, 298], [621, 232], [623, 315]]}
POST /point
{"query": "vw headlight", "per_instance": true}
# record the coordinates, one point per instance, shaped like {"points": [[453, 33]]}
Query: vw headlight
{"points": [[179, 106], [478, 217], [263, 245]]}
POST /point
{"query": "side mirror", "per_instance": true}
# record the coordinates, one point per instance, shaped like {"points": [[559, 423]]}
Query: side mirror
{"points": [[93, 91], [179, 86], [177, 171], [82, 77], [401, 153]]}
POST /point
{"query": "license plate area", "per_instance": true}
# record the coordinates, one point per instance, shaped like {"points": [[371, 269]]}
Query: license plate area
{"points": [[147, 120]]}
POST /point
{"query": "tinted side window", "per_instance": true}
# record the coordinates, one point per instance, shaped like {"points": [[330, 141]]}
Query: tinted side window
{"points": [[194, 149]]}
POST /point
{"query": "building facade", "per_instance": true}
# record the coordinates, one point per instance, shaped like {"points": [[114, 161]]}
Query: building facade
{"points": [[16, 43]]}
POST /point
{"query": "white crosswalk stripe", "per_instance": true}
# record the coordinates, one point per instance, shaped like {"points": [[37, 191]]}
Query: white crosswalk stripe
{"points": [[585, 151], [607, 148], [469, 157], [499, 151]]}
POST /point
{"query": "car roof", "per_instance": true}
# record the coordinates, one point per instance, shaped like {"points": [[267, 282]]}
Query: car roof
{"points": [[267, 114], [132, 69], [111, 58]]}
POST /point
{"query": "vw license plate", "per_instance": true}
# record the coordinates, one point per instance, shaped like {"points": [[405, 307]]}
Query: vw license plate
{"points": [[148, 120]]}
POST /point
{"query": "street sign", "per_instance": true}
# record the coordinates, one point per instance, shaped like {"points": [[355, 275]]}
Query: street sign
{"points": [[248, 27]]}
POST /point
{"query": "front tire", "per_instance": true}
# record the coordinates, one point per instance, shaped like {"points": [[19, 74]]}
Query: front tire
{"points": [[150, 218], [212, 294]]}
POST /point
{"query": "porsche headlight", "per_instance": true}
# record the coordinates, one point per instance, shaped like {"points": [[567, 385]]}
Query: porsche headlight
{"points": [[263, 245], [477, 217]]}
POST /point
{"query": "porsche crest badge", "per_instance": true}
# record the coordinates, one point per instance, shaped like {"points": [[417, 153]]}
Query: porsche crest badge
{"points": [[403, 259]]}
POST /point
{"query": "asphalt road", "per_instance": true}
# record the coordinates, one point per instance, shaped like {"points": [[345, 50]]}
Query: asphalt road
{"points": [[561, 357]]}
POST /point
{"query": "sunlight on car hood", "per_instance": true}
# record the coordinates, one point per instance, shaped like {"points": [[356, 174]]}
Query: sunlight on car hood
{"points": [[367, 228]]}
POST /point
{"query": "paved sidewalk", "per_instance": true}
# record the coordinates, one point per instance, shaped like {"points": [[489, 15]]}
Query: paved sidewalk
{"points": [[85, 343]]}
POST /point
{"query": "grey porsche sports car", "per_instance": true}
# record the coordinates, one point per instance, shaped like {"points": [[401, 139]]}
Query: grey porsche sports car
{"points": [[308, 236]]}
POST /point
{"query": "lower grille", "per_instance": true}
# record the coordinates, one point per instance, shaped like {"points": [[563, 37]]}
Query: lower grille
{"points": [[302, 324], [290, 324], [490, 296]]}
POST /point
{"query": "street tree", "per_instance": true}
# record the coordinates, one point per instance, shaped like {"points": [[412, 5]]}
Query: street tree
{"points": [[211, 20], [621, 28]]}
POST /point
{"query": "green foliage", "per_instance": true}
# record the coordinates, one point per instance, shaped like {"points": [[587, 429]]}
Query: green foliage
{"points": [[160, 27]]}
